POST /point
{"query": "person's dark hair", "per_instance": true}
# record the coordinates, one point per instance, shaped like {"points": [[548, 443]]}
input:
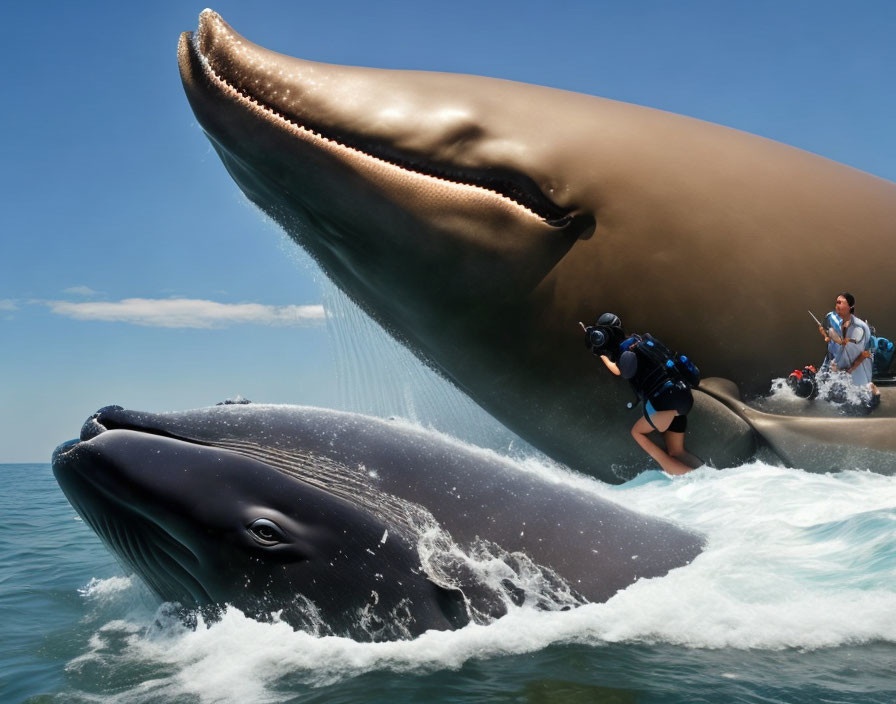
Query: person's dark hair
{"points": [[851, 300]]}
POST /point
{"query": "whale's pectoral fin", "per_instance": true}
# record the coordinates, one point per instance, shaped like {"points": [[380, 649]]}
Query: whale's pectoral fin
{"points": [[718, 436], [825, 444]]}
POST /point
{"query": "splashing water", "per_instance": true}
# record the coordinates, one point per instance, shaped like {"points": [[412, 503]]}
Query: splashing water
{"points": [[378, 376], [836, 395]]}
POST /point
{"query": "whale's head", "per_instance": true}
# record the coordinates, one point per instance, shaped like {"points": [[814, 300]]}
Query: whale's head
{"points": [[206, 519], [388, 178]]}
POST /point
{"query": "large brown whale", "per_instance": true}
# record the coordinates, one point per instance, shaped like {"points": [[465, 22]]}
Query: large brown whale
{"points": [[478, 220]]}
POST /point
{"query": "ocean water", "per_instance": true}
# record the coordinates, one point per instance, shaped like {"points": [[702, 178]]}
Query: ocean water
{"points": [[793, 600]]}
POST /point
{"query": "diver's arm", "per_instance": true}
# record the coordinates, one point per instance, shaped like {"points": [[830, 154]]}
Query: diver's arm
{"points": [[610, 365]]}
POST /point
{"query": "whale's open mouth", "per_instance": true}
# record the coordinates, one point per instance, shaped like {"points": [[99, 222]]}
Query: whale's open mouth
{"points": [[504, 183]]}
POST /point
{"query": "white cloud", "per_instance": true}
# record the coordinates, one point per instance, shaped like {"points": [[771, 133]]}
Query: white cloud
{"points": [[188, 312], [8, 304], [85, 291]]}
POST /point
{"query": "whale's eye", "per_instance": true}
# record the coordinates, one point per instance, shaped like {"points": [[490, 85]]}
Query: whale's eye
{"points": [[266, 532]]}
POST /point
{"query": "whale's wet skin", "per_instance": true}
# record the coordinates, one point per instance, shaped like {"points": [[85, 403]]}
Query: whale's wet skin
{"points": [[341, 523], [478, 220]]}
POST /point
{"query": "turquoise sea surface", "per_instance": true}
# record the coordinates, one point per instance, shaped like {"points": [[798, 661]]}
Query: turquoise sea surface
{"points": [[794, 600]]}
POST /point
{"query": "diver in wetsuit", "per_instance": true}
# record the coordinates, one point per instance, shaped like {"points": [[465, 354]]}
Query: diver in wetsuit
{"points": [[661, 380]]}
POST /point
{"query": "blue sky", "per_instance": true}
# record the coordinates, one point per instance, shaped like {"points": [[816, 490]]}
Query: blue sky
{"points": [[126, 250]]}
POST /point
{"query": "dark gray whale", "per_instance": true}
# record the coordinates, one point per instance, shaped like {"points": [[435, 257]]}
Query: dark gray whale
{"points": [[346, 523], [478, 220]]}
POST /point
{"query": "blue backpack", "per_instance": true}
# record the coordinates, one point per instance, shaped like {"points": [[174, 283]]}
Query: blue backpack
{"points": [[883, 354]]}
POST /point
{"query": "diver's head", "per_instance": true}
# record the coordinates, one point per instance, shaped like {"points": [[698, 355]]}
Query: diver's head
{"points": [[606, 334]]}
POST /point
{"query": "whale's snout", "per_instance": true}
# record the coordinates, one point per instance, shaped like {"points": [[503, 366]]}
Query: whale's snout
{"points": [[62, 450]]}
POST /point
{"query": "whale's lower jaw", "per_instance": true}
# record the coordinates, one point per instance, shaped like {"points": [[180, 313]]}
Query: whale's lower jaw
{"points": [[142, 546]]}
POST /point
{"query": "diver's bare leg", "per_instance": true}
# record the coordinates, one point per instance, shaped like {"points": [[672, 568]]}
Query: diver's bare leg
{"points": [[642, 429], [675, 446]]}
